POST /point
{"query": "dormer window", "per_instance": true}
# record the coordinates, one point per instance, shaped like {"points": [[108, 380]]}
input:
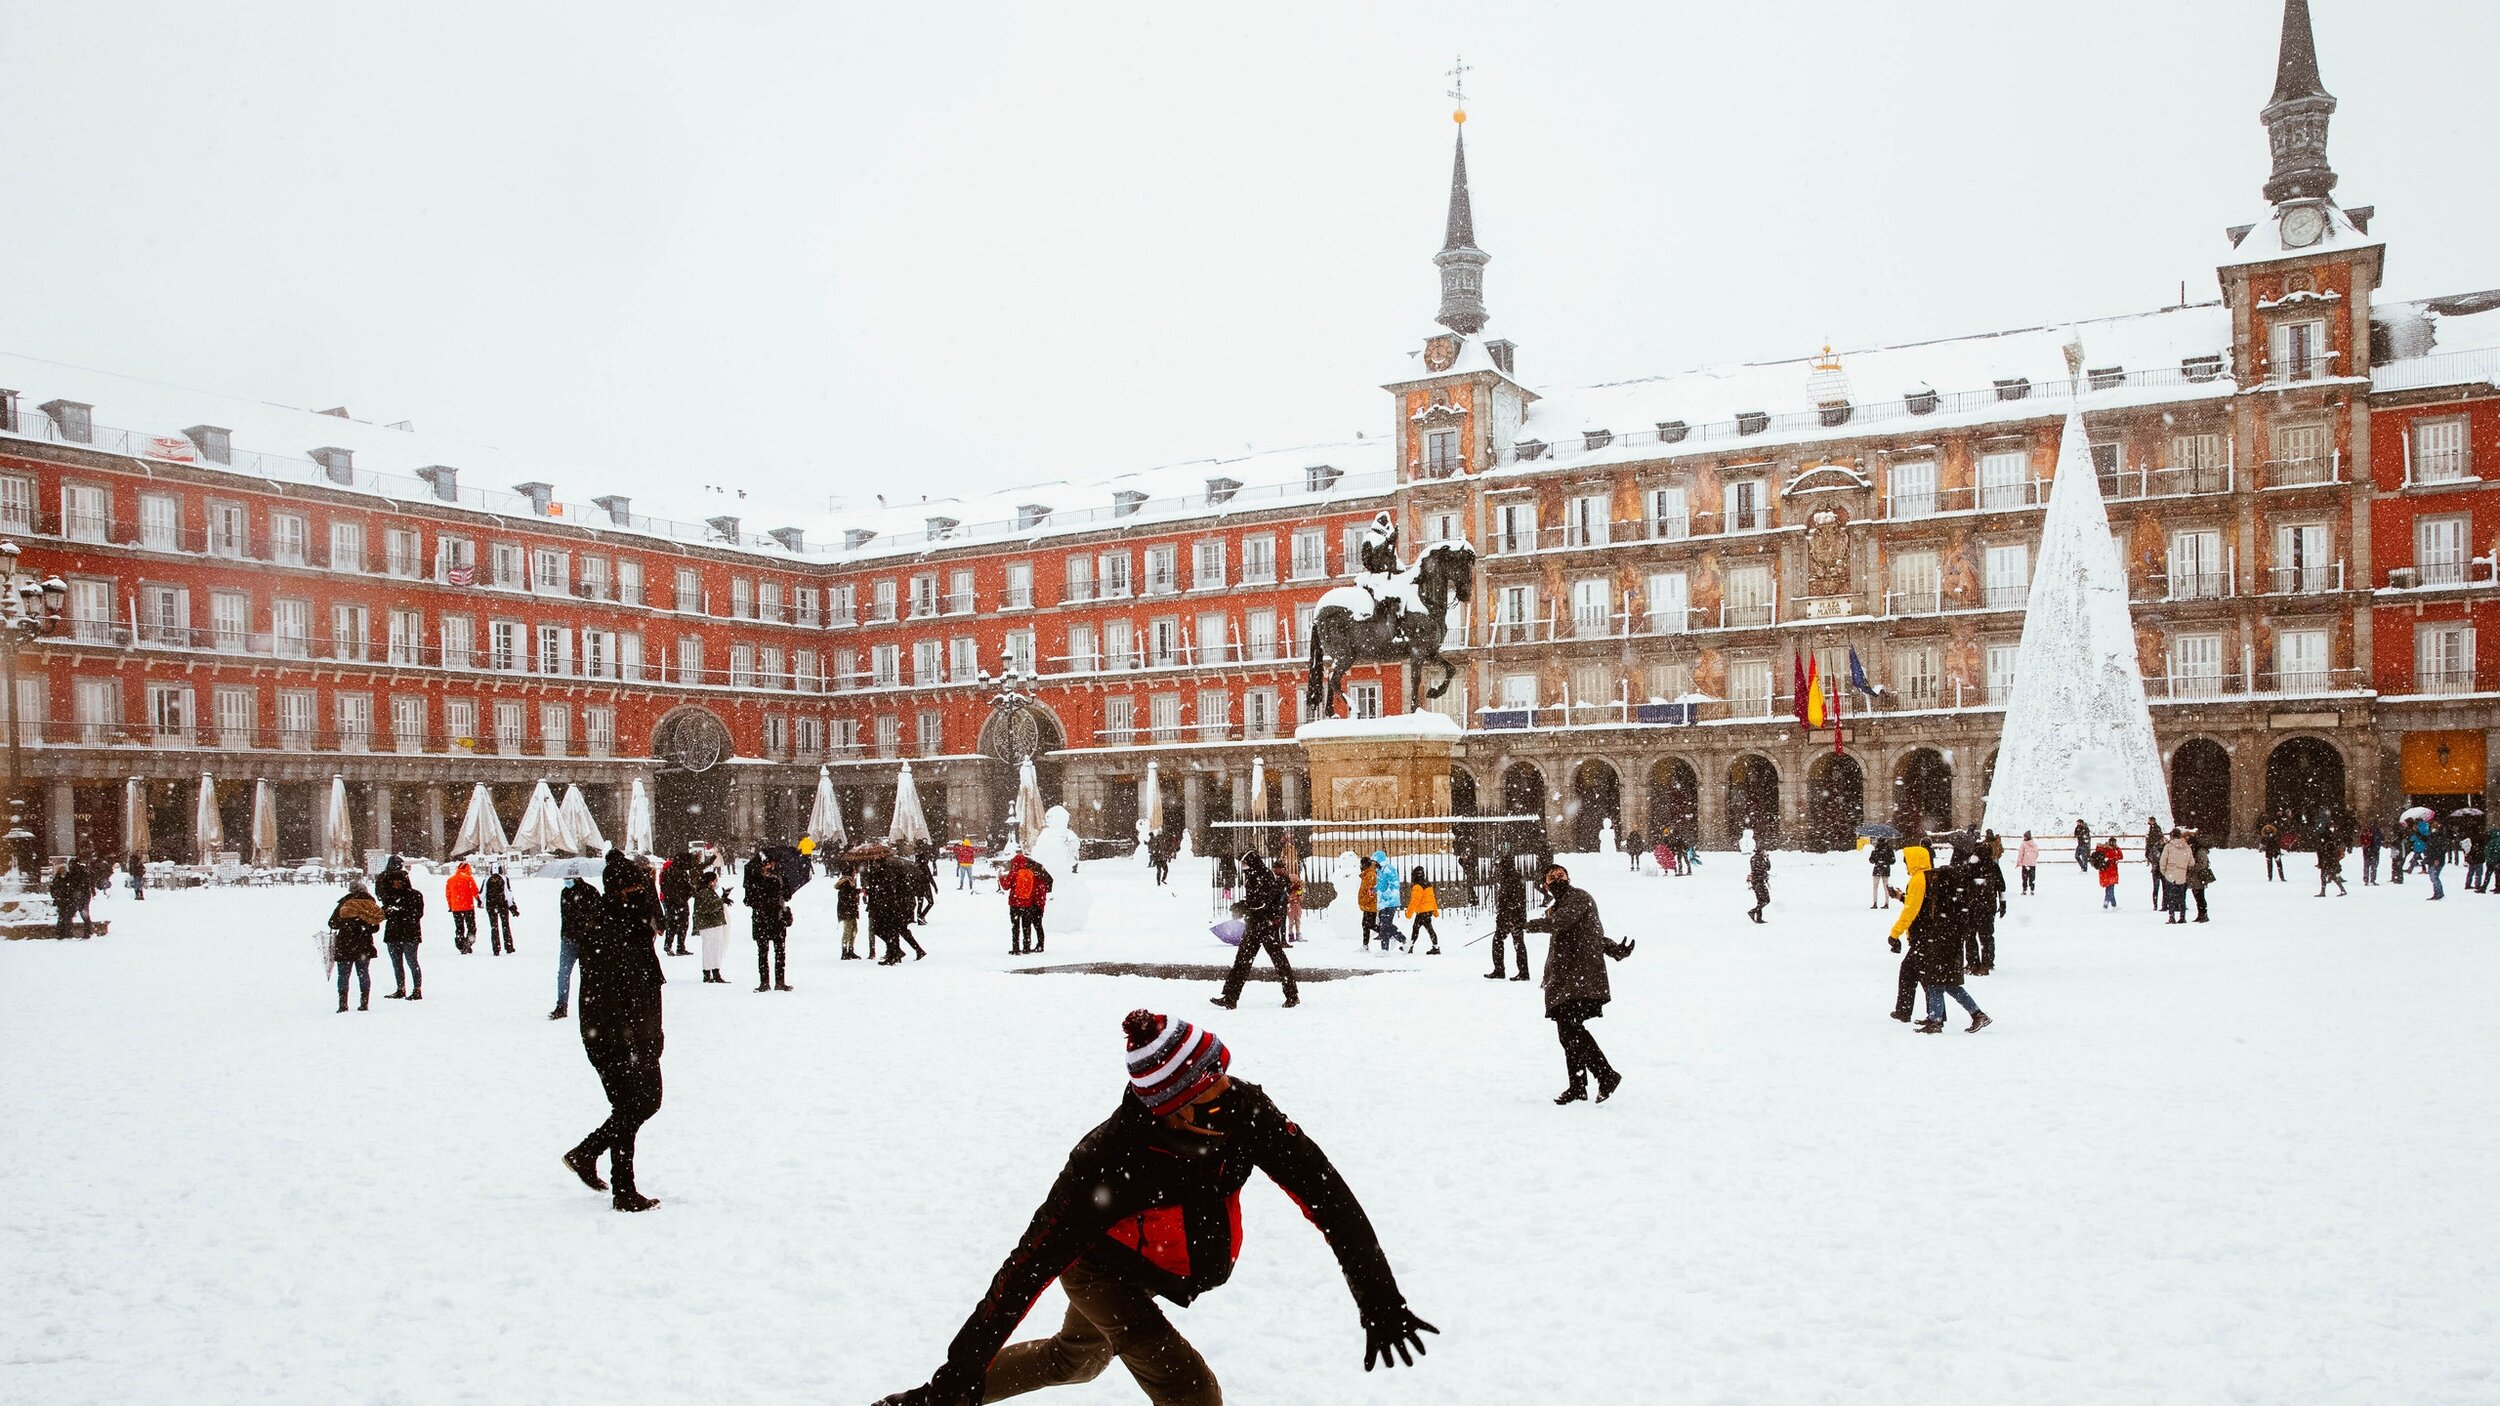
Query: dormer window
{"points": [[941, 528], [1221, 490], [1531, 449], [1596, 439], [1836, 413], [2104, 378], [1319, 478], [1441, 453], [215, 442], [1752, 421], [1673, 431], [73, 420], [2300, 352], [2201, 368], [2014, 388], [1126, 502], [1031, 515], [1920, 402]]}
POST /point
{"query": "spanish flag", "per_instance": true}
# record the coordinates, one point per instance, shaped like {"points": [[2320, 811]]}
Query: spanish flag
{"points": [[1814, 694]]}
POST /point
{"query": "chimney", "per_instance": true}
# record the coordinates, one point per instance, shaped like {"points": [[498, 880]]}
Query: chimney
{"points": [[539, 494], [854, 538], [941, 528], [1126, 502], [75, 419], [337, 465], [1502, 349], [792, 539], [726, 526], [1221, 490], [618, 507], [215, 442], [445, 480], [1032, 514]]}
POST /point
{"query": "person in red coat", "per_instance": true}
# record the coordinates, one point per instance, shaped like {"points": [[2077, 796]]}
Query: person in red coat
{"points": [[2106, 860], [460, 898], [1027, 886]]}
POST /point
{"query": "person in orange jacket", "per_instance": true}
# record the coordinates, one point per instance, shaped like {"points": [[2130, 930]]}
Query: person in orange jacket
{"points": [[460, 896]]}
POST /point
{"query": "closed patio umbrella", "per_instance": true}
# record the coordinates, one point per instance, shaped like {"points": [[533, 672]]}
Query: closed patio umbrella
{"points": [[540, 830], [338, 831], [135, 817], [581, 828], [207, 825], [264, 824], [1029, 808], [824, 819], [481, 830], [638, 820], [910, 827]]}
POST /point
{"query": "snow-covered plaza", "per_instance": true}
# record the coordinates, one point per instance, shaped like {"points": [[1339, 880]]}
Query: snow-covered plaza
{"points": [[2246, 1161]]}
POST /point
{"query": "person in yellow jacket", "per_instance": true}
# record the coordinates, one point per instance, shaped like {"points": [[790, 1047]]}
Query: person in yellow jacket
{"points": [[1421, 904], [1367, 903], [1916, 860]]}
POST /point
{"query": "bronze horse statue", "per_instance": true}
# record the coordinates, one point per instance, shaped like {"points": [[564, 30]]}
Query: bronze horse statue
{"points": [[1393, 631]]}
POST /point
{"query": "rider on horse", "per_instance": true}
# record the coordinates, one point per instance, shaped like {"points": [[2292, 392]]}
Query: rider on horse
{"points": [[1376, 565]]}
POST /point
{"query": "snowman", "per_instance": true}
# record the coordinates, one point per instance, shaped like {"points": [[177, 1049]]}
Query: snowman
{"points": [[1055, 849]]}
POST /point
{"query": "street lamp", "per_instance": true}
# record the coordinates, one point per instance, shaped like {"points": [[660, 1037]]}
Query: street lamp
{"points": [[28, 608]]}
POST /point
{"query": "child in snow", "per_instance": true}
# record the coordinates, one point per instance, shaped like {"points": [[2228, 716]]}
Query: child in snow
{"points": [[2027, 859], [1424, 904]]}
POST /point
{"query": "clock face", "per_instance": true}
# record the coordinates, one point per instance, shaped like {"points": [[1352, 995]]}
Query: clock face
{"points": [[2301, 227], [1439, 353]]}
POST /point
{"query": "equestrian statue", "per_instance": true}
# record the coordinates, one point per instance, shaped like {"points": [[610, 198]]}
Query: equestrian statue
{"points": [[1392, 613]]}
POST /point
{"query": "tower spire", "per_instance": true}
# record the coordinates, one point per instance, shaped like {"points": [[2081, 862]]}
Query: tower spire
{"points": [[2296, 117], [1460, 261]]}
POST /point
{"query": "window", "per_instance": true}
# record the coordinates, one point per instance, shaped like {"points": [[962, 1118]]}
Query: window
{"points": [[1592, 606], [1163, 641], [555, 728], [460, 721], [509, 566], [598, 654], [1443, 527], [772, 667], [1019, 586], [238, 715], [1259, 634], [1585, 520], [690, 592], [160, 522], [930, 727], [2300, 352], [296, 715], [1745, 510], [2197, 569], [455, 561], [86, 512], [1350, 550], [2004, 479], [629, 655], [1364, 699], [2001, 664], [741, 598], [768, 601], [924, 595], [1258, 714], [1514, 613], [806, 670], [2439, 549], [1918, 675], [459, 642], [963, 659], [1212, 641], [290, 628], [2444, 658], [354, 712], [1114, 575], [1215, 715], [1119, 650], [2196, 666], [1749, 687], [1206, 566], [776, 735], [1751, 597], [229, 620], [846, 736], [2300, 560], [846, 669], [1258, 560], [889, 736], [229, 534], [2008, 575], [351, 633], [505, 652], [165, 615], [1914, 489], [1514, 525], [2438, 451], [1591, 686], [1119, 720], [1670, 515], [17, 503], [811, 737], [1441, 453], [810, 605], [1082, 658], [742, 666], [1303, 614], [1667, 679], [928, 662], [2300, 661], [1310, 554], [1163, 713], [347, 546], [2302, 454], [1517, 691], [2197, 465], [690, 659], [629, 583], [1670, 605], [99, 705], [1162, 570], [408, 722], [550, 572], [594, 574], [1020, 652], [598, 731], [404, 636], [170, 712], [1080, 571], [511, 729], [402, 551], [881, 602]]}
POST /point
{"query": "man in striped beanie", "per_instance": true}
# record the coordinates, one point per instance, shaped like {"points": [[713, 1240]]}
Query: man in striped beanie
{"points": [[1149, 1205]]}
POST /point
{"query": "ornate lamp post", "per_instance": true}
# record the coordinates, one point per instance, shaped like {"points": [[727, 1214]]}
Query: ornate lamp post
{"points": [[28, 609]]}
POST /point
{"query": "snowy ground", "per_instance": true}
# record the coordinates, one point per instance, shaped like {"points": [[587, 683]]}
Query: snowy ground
{"points": [[2251, 1161]]}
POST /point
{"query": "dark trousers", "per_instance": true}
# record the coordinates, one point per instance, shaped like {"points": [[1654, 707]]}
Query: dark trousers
{"points": [[1519, 942], [499, 931], [1024, 930], [2197, 892], [1581, 1056], [1371, 923], [77, 912], [1423, 927], [464, 929], [1252, 944], [679, 916], [1108, 1317], [2031, 875], [1984, 941], [627, 1060], [2369, 867], [1761, 894], [895, 939], [2274, 864], [770, 955], [363, 968], [404, 968]]}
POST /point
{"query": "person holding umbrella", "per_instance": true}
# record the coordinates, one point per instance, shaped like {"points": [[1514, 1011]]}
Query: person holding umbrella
{"points": [[708, 911]]}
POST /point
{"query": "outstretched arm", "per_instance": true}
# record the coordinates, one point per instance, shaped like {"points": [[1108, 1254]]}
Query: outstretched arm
{"points": [[1296, 1164]]}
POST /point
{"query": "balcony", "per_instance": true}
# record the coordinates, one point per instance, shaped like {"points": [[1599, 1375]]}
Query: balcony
{"points": [[1018, 598], [2137, 484], [2313, 471], [2449, 680], [1986, 498], [2197, 585], [1739, 615], [2305, 580], [2204, 685], [959, 603], [1926, 600]]}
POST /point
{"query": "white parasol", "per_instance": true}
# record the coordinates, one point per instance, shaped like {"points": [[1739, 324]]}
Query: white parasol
{"points": [[581, 829], [264, 823], [338, 831], [824, 819], [135, 817], [541, 830], [638, 820], [481, 830], [910, 827], [206, 825]]}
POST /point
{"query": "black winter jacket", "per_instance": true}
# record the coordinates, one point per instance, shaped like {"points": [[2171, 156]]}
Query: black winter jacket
{"points": [[1510, 899], [403, 908], [498, 894], [580, 909], [621, 976], [765, 897], [1575, 966], [1263, 899], [1162, 1209], [1944, 929]]}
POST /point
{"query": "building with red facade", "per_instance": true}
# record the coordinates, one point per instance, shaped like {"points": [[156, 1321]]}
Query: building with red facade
{"points": [[2297, 470]]}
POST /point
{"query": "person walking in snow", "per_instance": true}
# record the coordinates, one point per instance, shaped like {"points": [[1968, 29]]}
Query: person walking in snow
{"points": [[352, 924], [2472, 844], [2270, 844], [1510, 917], [963, 854], [1027, 886], [2369, 855], [1262, 909], [1917, 860], [1879, 857], [403, 912], [1385, 891], [2178, 861], [2436, 847], [1423, 905], [2329, 848], [2107, 859], [1576, 989], [1147, 1207], [2027, 860], [2154, 839], [623, 1037], [846, 910], [460, 900], [497, 896], [1941, 939], [1758, 875], [677, 883], [579, 908], [924, 887], [2083, 846], [768, 922], [70, 896], [888, 889], [135, 865], [707, 911], [1367, 901], [1987, 882]]}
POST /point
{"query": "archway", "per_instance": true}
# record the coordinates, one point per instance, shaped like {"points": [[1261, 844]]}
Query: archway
{"points": [[1596, 798], [1523, 793], [1753, 799], [1922, 792], [1835, 802], [2305, 780], [1674, 799], [2200, 788]]}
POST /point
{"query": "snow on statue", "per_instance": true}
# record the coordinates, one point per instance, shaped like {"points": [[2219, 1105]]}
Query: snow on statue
{"points": [[1055, 849], [2078, 737]]}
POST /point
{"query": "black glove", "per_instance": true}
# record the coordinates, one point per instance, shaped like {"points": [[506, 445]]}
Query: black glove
{"points": [[1628, 944], [1896, 943], [1393, 1332]]}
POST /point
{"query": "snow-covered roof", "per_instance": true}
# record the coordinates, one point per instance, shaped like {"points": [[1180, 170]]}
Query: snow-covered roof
{"points": [[2142, 358], [2449, 340], [2264, 240], [1473, 358]]}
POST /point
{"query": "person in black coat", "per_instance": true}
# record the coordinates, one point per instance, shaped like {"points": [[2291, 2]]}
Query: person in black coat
{"points": [[846, 911], [496, 899], [888, 888], [1943, 938], [1262, 908], [579, 909], [403, 912], [1987, 905], [677, 899], [768, 922], [924, 890], [70, 895], [623, 1037], [1510, 917], [1576, 991], [352, 925], [1147, 1207], [1758, 874]]}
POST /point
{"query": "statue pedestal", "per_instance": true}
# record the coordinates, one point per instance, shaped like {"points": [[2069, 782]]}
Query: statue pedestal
{"points": [[1378, 768]]}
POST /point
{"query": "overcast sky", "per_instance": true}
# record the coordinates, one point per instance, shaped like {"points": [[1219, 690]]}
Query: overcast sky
{"points": [[809, 249]]}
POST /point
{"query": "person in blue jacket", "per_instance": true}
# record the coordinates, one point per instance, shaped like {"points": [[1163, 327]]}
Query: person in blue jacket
{"points": [[1385, 888]]}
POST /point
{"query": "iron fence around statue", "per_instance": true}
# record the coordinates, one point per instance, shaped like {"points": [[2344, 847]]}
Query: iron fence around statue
{"points": [[1461, 854]]}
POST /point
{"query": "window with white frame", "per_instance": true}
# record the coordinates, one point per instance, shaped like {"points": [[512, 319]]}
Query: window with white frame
{"points": [[351, 633], [1670, 513], [2438, 450], [1749, 687], [2300, 661], [1441, 452], [230, 620], [1112, 572], [2197, 464], [2005, 478], [172, 713], [1163, 714], [1211, 638], [690, 659], [690, 592], [2300, 351], [2443, 657], [238, 714], [844, 737], [1303, 614], [165, 615], [629, 655], [598, 654], [1119, 645], [598, 730], [459, 635], [98, 702], [1163, 641], [1514, 525], [1585, 520], [555, 728], [1514, 612], [2439, 549], [2002, 657], [2006, 569], [2195, 665], [841, 605], [805, 672], [354, 712], [809, 733], [511, 725], [17, 503], [924, 595], [403, 552], [1917, 582], [1918, 675], [1119, 720], [408, 721], [86, 512], [347, 546], [889, 735], [1080, 571], [160, 522], [742, 598], [90, 609], [776, 735], [1745, 505], [290, 538], [508, 565], [2302, 454], [594, 573], [290, 628], [846, 669], [460, 721], [1666, 680], [1083, 656], [1259, 633], [768, 601], [1019, 586], [229, 530], [1215, 715], [1258, 714], [1310, 554], [505, 652], [1517, 691], [1669, 601], [404, 636], [1206, 566], [297, 719], [1592, 685], [1163, 575], [1913, 489], [1365, 699], [1750, 597], [1021, 652], [959, 594], [2300, 559], [1592, 606], [963, 658], [928, 662], [629, 584], [1443, 527], [2197, 569]]}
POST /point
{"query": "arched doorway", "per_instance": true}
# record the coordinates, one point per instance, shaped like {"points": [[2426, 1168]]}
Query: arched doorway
{"points": [[1674, 799], [2200, 788], [1523, 793], [1835, 802], [690, 791], [2305, 780], [1596, 798], [1753, 799], [1922, 792]]}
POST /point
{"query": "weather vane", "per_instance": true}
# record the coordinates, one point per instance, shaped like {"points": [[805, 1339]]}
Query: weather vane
{"points": [[1458, 85]]}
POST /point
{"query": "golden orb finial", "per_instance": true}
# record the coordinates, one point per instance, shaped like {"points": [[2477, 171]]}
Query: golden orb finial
{"points": [[1459, 116]]}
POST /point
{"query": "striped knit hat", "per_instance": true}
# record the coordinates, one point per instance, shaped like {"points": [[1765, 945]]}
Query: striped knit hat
{"points": [[1171, 1061]]}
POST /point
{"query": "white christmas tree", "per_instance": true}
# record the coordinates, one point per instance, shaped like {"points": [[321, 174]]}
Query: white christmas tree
{"points": [[2078, 741]]}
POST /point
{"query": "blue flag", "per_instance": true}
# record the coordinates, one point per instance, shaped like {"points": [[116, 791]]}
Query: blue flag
{"points": [[1857, 676]]}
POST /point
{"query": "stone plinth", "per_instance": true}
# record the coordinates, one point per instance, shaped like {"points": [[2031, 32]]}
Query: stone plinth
{"points": [[1379, 767]]}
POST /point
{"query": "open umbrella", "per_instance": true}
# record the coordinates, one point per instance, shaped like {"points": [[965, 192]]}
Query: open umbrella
{"points": [[1029, 807], [2417, 813], [135, 817], [1877, 830], [867, 852], [581, 829], [338, 831], [2467, 810], [572, 869], [264, 823], [910, 827], [638, 820], [785, 863], [824, 819], [481, 830], [541, 831], [206, 824]]}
